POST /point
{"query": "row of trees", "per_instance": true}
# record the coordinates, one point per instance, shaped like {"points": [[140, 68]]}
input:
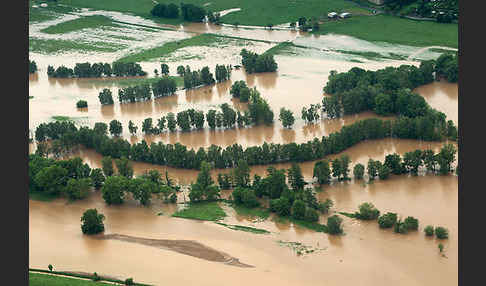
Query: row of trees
{"points": [[189, 12], [97, 70], [367, 211], [180, 156], [197, 78], [394, 164], [32, 66], [306, 24], [164, 87], [167, 11], [447, 66], [254, 62]]}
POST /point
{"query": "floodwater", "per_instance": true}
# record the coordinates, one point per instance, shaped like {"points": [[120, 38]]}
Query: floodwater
{"points": [[374, 256]]}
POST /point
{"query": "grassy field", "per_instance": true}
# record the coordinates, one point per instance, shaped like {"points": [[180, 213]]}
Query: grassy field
{"points": [[202, 211], [383, 28], [310, 225], [170, 47], [41, 14], [49, 46], [276, 11], [37, 279], [94, 21]]}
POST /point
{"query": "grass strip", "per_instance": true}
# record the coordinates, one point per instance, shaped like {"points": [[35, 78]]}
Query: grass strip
{"points": [[86, 276], [84, 22], [245, 228]]}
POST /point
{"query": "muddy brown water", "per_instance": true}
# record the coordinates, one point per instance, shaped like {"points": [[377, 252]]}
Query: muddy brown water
{"points": [[373, 255]]}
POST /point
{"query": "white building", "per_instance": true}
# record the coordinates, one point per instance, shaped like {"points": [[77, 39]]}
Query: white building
{"points": [[345, 15], [332, 15]]}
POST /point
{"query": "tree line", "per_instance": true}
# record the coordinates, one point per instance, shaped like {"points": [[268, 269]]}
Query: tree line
{"points": [[32, 66], [255, 63], [424, 128], [74, 180], [189, 12], [164, 87], [97, 70]]}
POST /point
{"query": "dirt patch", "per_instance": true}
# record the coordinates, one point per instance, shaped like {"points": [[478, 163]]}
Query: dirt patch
{"points": [[187, 247]]}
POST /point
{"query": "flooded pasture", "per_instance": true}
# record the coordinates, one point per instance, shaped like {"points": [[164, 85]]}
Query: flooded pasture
{"points": [[146, 243]]}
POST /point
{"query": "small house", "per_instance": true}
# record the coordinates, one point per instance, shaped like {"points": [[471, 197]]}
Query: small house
{"points": [[345, 15], [332, 15]]}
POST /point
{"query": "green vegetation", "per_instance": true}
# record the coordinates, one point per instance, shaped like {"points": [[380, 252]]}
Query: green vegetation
{"points": [[429, 230], [170, 47], [124, 82], [37, 279], [396, 30], [245, 228], [202, 211], [42, 14], [92, 222], [279, 48], [299, 248], [302, 223], [61, 118], [84, 22], [82, 104], [49, 46]]}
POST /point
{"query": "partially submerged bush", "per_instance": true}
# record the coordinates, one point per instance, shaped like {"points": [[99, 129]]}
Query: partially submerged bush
{"points": [[412, 223], [387, 220], [367, 211], [429, 230], [441, 232]]}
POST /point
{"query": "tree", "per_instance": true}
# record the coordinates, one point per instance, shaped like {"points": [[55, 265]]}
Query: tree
{"points": [[97, 178], [387, 220], [132, 128], [298, 210], [445, 158], [281, 206], [441, 232], [78, 189], [115, 127], [51, 180], [171, 122], [113, 189], [295, 177], [411, 223], [105, 97], [50, 267], [394, 163], [334, 225], [287, 117], [147, 127], [204, 187], [164, 69], [322, 172], [100, 128], [358, 171], [242, 174], [383, 171], [107, 166], [429, 230], [92, 222], [82, 104], [367, 211], [129, 281], [372, 169], [245, 196], [124, 167], [181, 71]]}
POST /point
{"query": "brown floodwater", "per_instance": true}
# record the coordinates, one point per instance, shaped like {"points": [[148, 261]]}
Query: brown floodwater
{"points": [[374, 256], [443, 96]]}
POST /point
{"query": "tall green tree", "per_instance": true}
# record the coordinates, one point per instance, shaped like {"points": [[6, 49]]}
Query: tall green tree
{"points": [[92, 222]]}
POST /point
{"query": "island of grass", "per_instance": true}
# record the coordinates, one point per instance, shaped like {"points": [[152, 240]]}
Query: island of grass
{"points": [[84, 22], [391, 29], [37, 279], [202, 40], [49, 46], [202, 211]]}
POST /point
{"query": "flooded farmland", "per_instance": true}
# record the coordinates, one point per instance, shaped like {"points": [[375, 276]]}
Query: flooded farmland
{"points": [[146, 243]]}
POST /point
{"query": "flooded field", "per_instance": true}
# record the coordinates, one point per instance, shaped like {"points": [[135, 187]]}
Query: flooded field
{"points": [[160, 249]]}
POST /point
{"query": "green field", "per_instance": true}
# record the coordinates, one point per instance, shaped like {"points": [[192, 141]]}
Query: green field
{"points": [[245, 228], [260, 213], [202, 211], [37, 279], [41, 14], [170, 47], [54, 46], [86, 22], [383, 28], [305, 224], [276, 12]]}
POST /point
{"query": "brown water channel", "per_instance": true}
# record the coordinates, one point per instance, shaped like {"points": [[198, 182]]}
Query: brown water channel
{"points": [[298, 83]]}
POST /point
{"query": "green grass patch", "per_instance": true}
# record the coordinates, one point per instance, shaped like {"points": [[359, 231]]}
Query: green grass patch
{"points": [[279, 48], [170, 47], [37, 279], [84, 22], [391, 29], [442, 51], [71, 281], [43, 197], [245, 228], [49, 46], [260, 213], [202, 211], [61, 118], [51, 12]]}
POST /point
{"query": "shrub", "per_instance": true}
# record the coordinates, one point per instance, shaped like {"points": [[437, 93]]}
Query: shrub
{"points": [[82, 104], [412, 223], [325, 206], [298, 209], [246, 197], [387, 220], [429, 230], [311, 215], [334, 225], [129, 281], [281, 206], [400, 227], [441, 232], [441, 247], [358, 171], [367, 211]]}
